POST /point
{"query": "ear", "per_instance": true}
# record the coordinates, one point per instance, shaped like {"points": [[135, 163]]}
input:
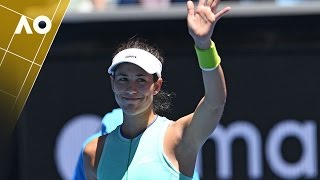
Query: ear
{"points": [[157, 86]]}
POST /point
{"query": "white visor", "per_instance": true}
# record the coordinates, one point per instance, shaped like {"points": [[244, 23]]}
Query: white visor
{"points": [[139, 57]]}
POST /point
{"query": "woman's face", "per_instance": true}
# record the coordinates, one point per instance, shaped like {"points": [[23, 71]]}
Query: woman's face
{"points": [[134, 88]]}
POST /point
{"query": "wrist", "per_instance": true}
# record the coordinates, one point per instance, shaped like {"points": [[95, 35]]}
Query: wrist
{"points": [[209, 58], [203, 45]]}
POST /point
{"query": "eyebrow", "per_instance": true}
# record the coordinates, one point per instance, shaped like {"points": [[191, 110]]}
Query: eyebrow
{"points": [[121, 74]]}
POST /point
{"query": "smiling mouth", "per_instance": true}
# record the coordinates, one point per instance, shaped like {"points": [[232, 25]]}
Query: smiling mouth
{"points": [[130, 99]]}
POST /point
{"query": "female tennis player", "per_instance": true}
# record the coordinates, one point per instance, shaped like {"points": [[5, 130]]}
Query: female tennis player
{"points": [[147, 145]]}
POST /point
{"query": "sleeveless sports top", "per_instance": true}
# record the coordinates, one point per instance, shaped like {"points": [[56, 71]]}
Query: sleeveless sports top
{"points": [[141, 158]]}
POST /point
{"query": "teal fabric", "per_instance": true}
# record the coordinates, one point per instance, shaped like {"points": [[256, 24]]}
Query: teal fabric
{"points": [[141, 158]]}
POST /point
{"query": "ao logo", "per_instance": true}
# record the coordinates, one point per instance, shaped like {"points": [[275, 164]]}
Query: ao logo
{"points": [[41, 24]]}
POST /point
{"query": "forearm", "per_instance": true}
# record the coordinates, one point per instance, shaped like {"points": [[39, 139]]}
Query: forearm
{"points": [[211, 106], [212, 73], [215, 87]]}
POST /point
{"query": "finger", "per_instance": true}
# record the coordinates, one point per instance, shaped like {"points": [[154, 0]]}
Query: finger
{"points": [[209, 16], [222, 12], [203, 13], [214, 5], [201, 2], [190, 8], [209, 2]]}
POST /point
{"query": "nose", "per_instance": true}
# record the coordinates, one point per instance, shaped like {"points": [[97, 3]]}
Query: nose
{"points": [[131, 88]]}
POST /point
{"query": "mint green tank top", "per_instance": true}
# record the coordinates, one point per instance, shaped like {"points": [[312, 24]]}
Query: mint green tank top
{"points": [[141, 158]]}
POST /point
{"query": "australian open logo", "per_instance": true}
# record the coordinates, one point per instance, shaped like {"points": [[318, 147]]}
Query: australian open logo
{"points": [[41, 24]]}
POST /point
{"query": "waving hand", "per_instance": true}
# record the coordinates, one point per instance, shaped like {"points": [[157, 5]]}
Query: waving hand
{"points": [[202, 19]]}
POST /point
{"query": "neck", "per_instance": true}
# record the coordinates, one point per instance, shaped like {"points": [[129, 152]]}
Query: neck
{"points": [[134, 125]]}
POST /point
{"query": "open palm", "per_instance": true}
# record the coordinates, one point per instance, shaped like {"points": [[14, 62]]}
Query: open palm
{"points": [[202, 19]]}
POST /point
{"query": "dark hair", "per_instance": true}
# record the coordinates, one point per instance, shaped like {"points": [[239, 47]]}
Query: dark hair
{"points": [[162, 100], [140, 44]]}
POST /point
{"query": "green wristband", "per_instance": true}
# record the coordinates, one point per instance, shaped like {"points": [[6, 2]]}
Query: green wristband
{"points": [[208, 59]]}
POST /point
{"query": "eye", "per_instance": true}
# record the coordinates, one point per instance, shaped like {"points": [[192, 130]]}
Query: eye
{"points": [[122, 79], [141, 80]]}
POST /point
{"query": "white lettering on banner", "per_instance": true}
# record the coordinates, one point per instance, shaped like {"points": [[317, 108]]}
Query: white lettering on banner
{"points": [[305, 132], [307, 135], [224, 139]]}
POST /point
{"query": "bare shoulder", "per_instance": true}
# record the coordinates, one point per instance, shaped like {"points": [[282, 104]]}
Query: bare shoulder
{"points": [[91, 147], [91, 156]]}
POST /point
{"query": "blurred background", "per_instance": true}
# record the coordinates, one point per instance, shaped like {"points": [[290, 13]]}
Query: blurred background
{"points": [[270, 52]]}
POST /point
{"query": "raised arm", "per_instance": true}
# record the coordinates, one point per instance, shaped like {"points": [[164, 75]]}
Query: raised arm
{"points": [[197, 126]]}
